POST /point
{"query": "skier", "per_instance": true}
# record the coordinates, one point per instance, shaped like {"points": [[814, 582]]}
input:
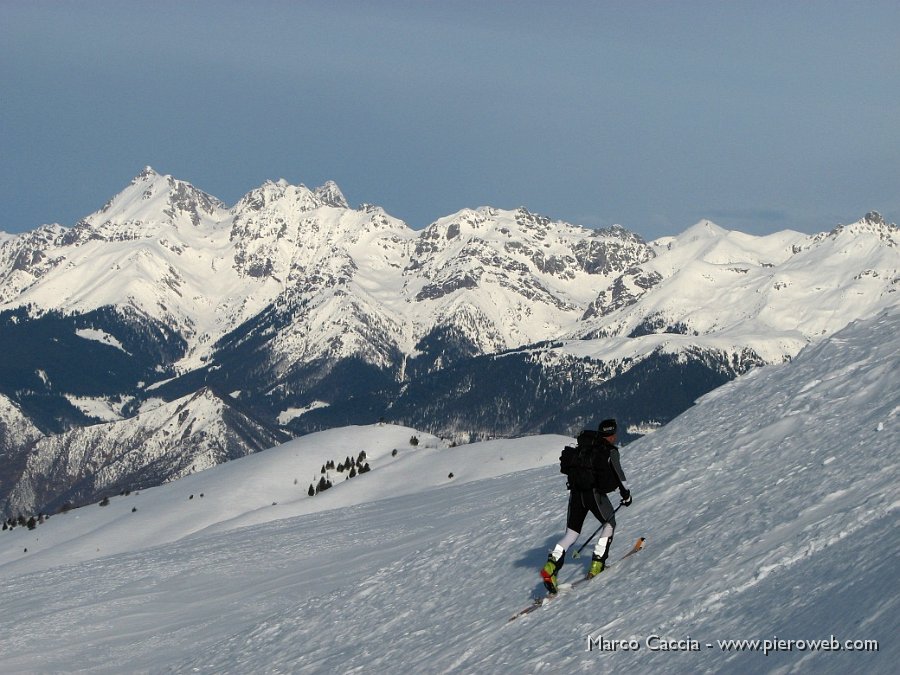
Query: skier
{"points": [[594, 468]]}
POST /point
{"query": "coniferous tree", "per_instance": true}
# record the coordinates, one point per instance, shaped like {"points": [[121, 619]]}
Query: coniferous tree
{"points": [[312, 490]]}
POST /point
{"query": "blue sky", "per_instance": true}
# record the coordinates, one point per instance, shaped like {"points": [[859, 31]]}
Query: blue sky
{"points": [[758, 115]]}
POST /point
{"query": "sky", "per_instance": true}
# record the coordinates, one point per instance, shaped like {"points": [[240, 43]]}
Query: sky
{"points": [[760, 116]]}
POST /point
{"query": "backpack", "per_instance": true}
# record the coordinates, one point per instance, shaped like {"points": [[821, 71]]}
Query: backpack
{"points": [[587, 464]]}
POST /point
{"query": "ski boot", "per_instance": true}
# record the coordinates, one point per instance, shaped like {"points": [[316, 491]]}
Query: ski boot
{"points": [[597, 566], [555, 561]]}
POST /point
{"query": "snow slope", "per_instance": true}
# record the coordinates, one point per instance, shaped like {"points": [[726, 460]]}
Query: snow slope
{"points": [[769, 510]]}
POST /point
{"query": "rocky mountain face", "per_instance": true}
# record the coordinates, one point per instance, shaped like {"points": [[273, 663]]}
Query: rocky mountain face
{"points": [[17, 433], [170, 441], [306, 313]]}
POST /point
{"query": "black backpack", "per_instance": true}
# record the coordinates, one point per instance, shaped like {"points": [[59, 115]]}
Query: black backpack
{"points": [[587, 464]]}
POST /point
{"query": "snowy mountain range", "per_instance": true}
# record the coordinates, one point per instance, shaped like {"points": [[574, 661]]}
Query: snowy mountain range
{"points": [[305, 314], [769, 510]]}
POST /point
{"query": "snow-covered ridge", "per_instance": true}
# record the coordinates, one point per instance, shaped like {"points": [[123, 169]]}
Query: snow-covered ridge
{"points": [[792, 287], [501, 278]]}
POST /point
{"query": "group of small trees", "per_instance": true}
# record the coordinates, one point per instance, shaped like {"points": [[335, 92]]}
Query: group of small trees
{"points": [[351, 466], [22, 521], [34, 521], [105, 500]]}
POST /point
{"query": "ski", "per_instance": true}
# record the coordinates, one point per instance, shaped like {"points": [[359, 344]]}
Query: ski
{"points": [[541, 601], [544, 599]]}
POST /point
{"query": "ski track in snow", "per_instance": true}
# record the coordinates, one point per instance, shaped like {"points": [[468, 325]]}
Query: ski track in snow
{"points": [[769, 510]]}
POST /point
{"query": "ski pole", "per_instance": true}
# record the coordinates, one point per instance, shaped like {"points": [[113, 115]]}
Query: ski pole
{"points": [[577, 553]]}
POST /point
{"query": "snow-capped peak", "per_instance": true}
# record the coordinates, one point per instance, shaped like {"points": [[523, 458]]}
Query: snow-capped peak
{"points": [[330, 195], [148, 172], [703, 230], [871, 223], [288, 198], [154, 198]]}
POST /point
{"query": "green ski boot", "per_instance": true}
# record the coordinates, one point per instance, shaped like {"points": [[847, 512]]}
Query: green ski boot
{"points": [[554, 563], [597, 566]]}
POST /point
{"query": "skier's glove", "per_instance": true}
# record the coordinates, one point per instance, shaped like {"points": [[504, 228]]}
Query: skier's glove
{"points": [[626, 497]]}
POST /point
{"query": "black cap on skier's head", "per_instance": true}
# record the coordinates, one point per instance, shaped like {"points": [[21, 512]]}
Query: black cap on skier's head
{"points": [[607, 428]]}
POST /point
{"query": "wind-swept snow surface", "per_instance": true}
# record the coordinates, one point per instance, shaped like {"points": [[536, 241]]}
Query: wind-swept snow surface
{"points": [[769, 510]]}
